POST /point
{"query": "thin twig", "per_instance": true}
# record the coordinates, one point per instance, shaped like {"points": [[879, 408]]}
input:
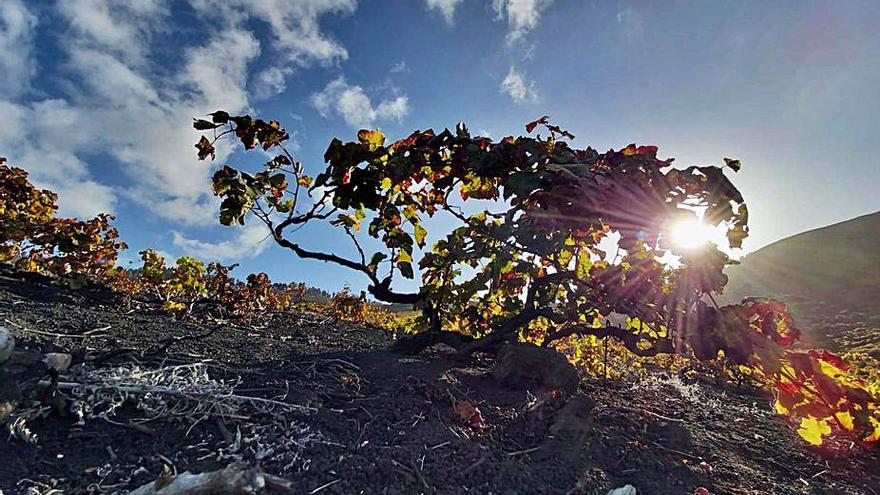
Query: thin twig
{"points": [[325, 485], [50, 334], [520, 452], [652, 413]]}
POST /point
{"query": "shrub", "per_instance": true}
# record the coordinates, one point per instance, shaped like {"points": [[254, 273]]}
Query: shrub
{"points": [[32, 238], [525, 261]]}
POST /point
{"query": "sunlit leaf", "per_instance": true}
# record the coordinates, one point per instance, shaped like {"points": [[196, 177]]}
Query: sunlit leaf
{"points": [[419, 232], [371, 139], [812, 430], [736, 235], [845, 419]]}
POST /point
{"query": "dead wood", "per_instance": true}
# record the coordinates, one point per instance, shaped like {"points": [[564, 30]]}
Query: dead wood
{"points": [[235, 479]]}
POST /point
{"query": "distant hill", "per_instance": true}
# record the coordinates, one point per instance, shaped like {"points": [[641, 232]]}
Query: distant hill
{"points": [[830, 277]]}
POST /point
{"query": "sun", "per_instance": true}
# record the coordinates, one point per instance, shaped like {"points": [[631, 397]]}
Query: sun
{"points": [[691, 234]]}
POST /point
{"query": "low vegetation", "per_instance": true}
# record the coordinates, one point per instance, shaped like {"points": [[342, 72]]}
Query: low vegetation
{"points": [[526, 263]]}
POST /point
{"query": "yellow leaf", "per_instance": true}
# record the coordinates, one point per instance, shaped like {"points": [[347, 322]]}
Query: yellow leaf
{"points": [[876, 435], [736, 235], [845, 419], [780, 409], [812, 430], [404, 257], [371, 139], [420, 234]]}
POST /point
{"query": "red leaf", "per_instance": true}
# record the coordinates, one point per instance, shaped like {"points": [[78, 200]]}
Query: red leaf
{"points": [[467, 413], [531, 125], [831, 359], [787, 387]]}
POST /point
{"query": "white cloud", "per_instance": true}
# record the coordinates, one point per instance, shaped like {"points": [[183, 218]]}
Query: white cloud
{"points": [[249, 242], [445, 7], [119, 97], [522, 15], [120, 27], [516, 86], [355, 107], [271, 81], [399, 67], [297, 40], [17, 66], [222, 84], [27, 134]]}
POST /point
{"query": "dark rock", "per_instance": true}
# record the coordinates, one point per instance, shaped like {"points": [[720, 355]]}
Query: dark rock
{"points": [[529, 367], [569, 432], [574, 421], [416, 343]]}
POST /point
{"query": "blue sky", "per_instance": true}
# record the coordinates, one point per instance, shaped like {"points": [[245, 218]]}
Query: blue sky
{"points": [[96, 97]]}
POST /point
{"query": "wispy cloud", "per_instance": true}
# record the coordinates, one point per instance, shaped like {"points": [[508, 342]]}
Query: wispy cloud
{"points": [[355, 107], [516, 86], [522, 15], [296, 38], [445, 7], [17, 66], [399, 67], [249, 242]]}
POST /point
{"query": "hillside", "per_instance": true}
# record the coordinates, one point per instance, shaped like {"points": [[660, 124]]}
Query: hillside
{"points": [[330, 409], [829, 276]]}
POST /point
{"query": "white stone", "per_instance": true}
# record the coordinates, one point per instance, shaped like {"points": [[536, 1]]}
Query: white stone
{"points": [[58, 361], [623, 490], [7, 344]]}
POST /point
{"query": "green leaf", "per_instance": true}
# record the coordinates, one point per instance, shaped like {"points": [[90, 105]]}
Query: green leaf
{"points": [[282, 206], [521, 184], [404, 256], [278, 180], [420, 234], [564, 257], [406, 269], [204, 125], [376, 259], [583, 264]]}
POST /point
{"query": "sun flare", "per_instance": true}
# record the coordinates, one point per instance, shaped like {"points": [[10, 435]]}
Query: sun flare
{"points": [[691, 234]]}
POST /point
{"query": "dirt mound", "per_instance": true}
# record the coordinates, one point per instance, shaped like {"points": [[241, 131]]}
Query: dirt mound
{"points": [[333, 410], [830, 277]]}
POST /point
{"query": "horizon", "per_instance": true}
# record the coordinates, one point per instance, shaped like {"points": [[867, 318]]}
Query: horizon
{"points": [[98, 99]]}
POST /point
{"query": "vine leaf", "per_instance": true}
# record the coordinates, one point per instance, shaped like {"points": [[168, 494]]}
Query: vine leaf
{"points": [[812, 430], [371, 140]]}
